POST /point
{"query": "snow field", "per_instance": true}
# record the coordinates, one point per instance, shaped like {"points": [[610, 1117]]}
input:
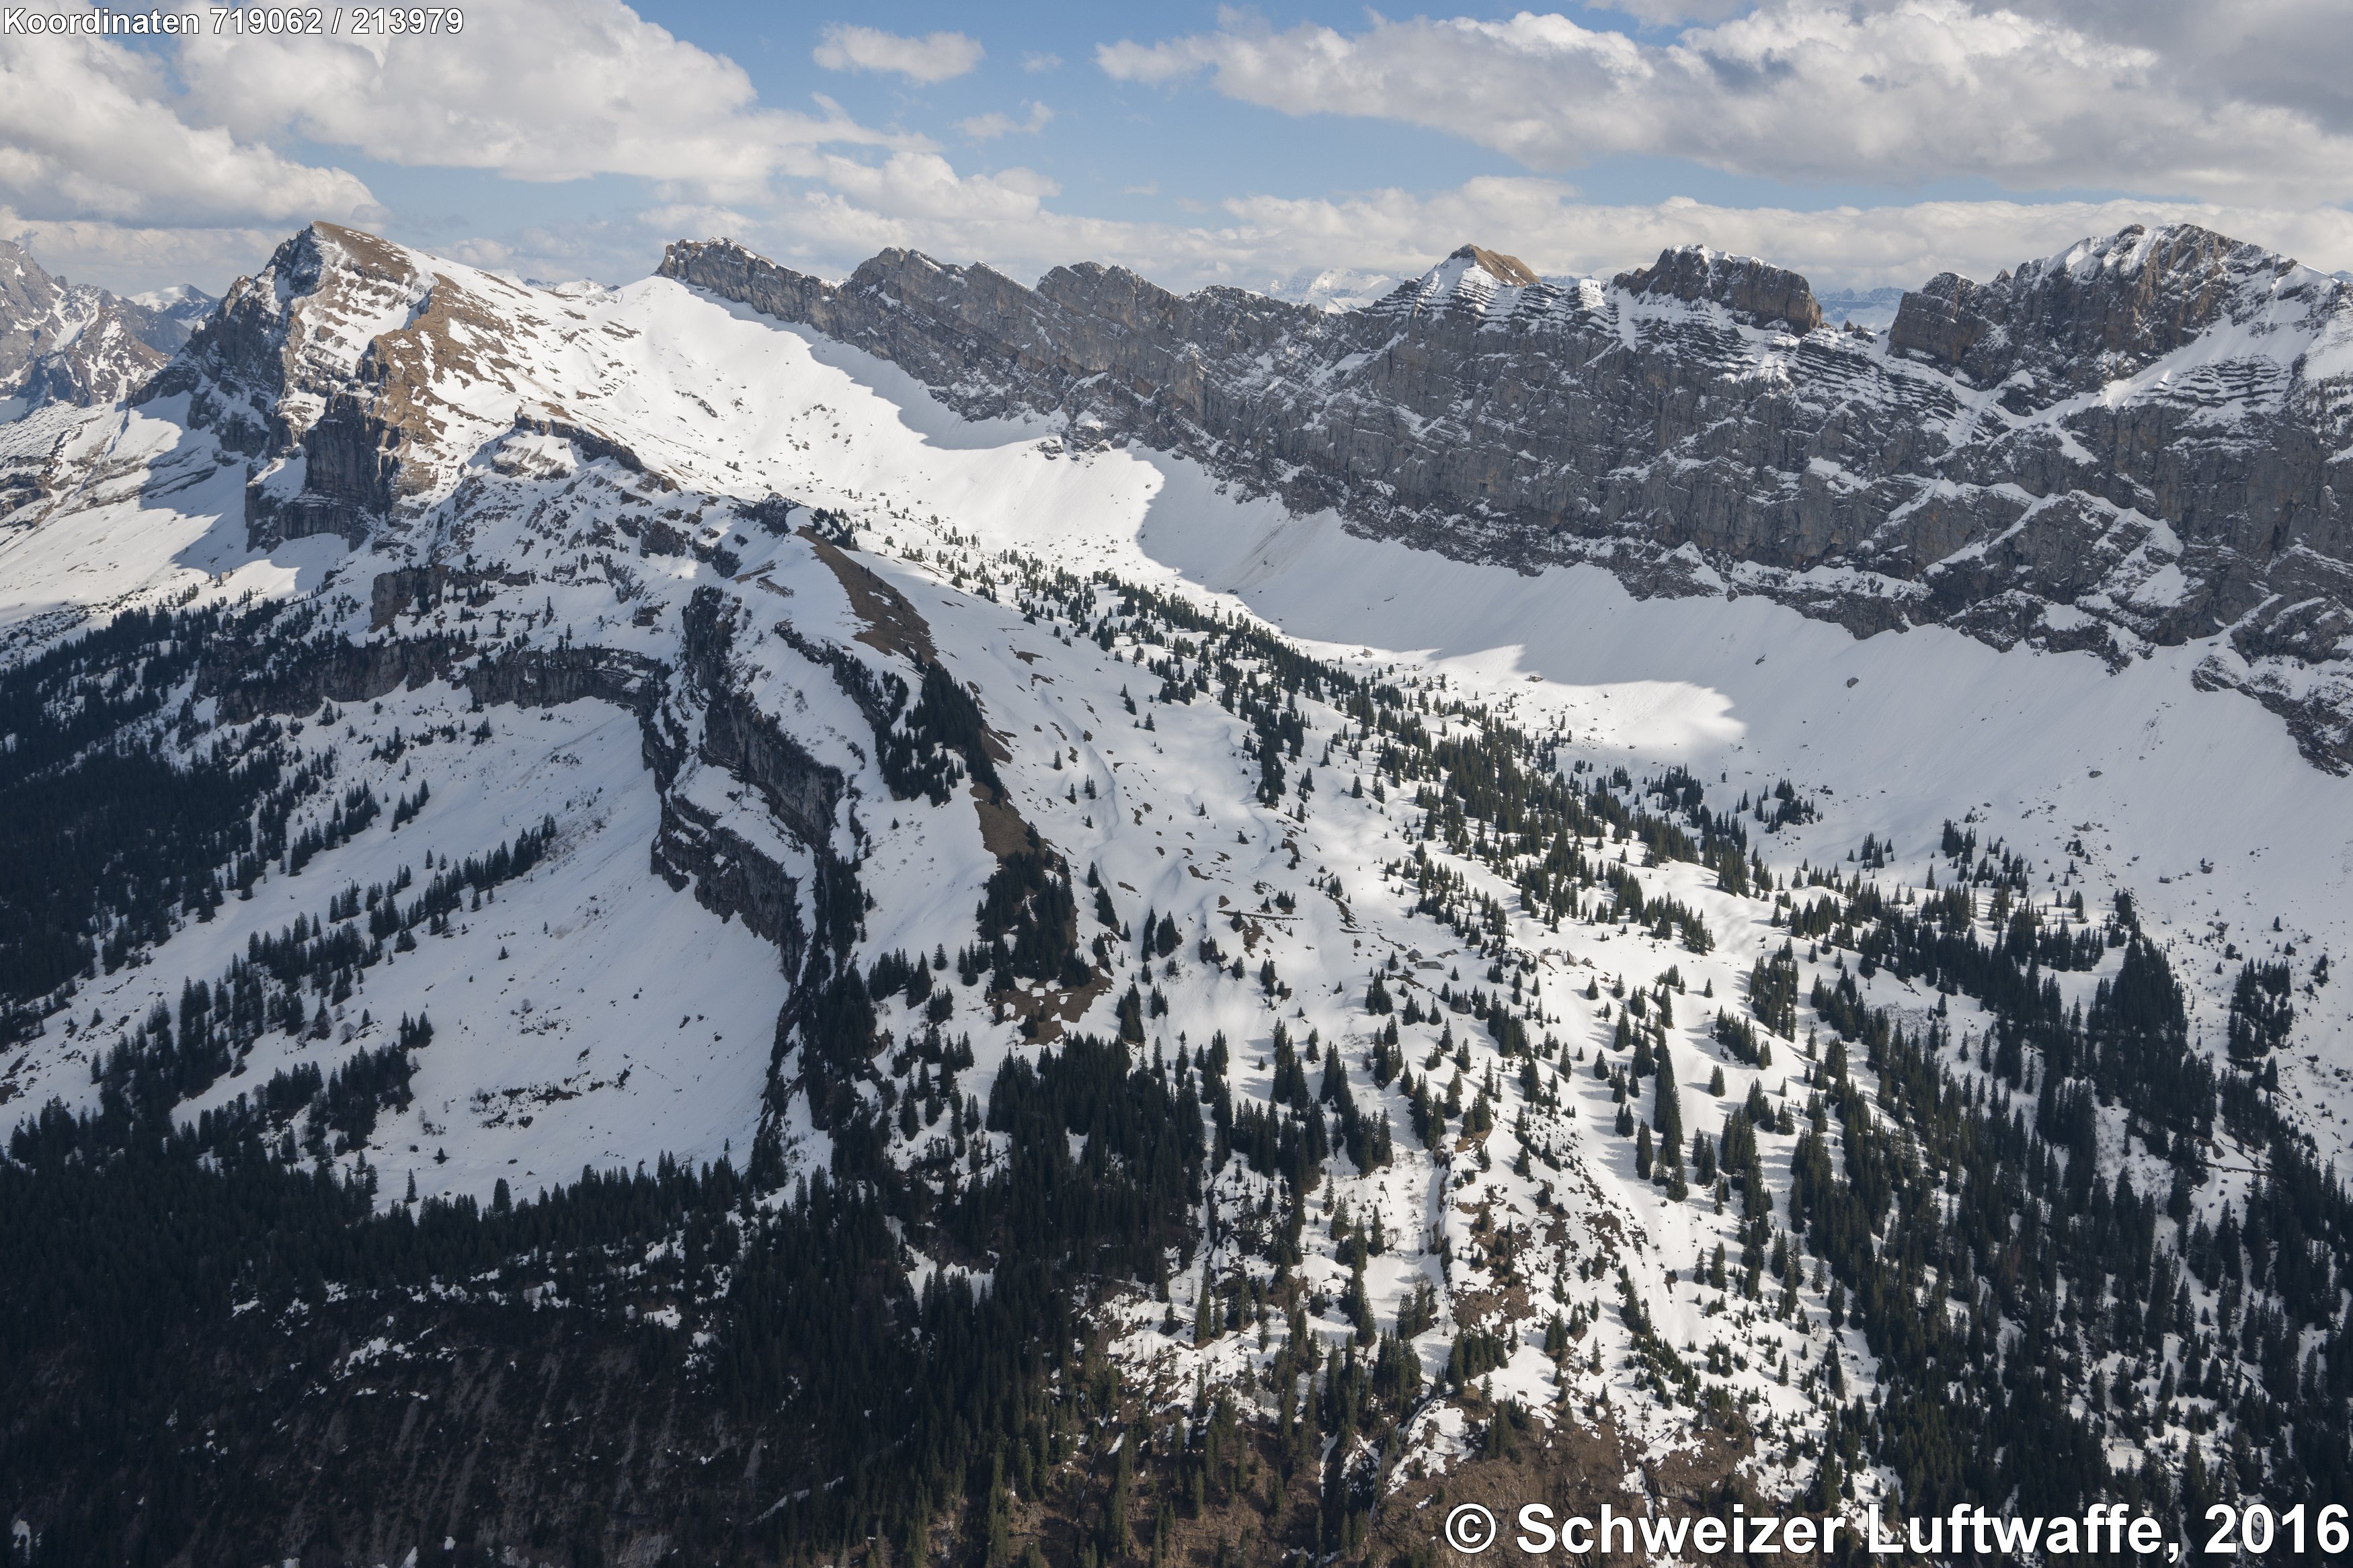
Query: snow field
{"points": [[586, 1044]]}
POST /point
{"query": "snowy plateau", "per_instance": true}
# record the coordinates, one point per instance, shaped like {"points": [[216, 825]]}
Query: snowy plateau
{"points": [[667, 824]]}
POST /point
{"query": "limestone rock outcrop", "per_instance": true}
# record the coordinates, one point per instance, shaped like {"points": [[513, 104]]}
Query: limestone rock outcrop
{"points": [[2128, 445]]}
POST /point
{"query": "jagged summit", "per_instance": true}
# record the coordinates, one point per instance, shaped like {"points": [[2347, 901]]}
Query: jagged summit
{"points": [[71, 343], [1506, 271], [1756, 290], [2108, 307], [296, 329], [182, 302], [358, 374]]}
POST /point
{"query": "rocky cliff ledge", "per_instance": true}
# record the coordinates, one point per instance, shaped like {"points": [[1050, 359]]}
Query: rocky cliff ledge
{"points": [[2125, 446]]}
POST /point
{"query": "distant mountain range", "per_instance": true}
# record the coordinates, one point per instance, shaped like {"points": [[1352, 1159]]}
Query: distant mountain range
{"points": [[74, 343], [2128, 445]]}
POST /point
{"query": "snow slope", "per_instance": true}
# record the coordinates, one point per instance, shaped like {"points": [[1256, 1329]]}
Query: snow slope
{"points": [[593, 1012], [2194, 802]]}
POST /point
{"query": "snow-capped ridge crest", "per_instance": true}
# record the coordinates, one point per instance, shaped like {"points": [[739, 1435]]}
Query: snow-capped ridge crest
{"points": [[2108, 307], [1331, 289], [1526, 426], [357, 377], [179, 301], [546, 419]]}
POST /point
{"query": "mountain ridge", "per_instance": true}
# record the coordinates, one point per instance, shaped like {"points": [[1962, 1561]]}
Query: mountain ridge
{"points": [[1693, 427], [76, 345], [455, 735]]}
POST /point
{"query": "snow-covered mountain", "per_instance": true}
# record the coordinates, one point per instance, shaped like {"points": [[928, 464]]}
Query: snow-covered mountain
{"points": [[2121, 448], [79, 344], [182, 302], [1085, 853], [1332, 288]]}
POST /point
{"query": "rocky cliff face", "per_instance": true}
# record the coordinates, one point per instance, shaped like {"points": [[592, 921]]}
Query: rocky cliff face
{"points": [[2124, 446], [647, 586], [353, 375], [698, 713], [63, 343]]}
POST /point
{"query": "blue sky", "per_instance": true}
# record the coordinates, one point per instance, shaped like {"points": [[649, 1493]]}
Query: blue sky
{"points": [[1109, 138], [1864, 144]]}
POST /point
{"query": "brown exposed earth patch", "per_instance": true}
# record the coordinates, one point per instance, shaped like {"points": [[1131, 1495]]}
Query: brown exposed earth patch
{"points": [[893, 625]]}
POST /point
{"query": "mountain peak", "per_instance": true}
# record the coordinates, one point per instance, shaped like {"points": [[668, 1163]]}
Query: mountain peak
{"points": [[1504, 268], [66, 342], [2110, 305], [1759, 290], [1471, 275]]}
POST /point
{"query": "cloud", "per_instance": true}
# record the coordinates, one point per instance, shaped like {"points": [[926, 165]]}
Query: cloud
{"points": [[1542, 222], [1660, 13], [87, 131], [543, 90], [118, 169], [925, 187], [985, 127], [115, 169], [936, 57], [1008, 219], [129, 259], [2293, 54], [1036, 62], [1903, 92]]}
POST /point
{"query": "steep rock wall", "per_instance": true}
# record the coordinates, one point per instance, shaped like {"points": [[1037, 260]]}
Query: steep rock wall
{"points": [[2125, 446]]}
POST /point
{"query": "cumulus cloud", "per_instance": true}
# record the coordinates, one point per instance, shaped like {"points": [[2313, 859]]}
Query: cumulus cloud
{"points": [[925, 187], [121, 171], [1544, 223], [1660, 13], [1008, 219], [89, 131], [2294, 54], [936, 57], [127, 259], [1902, 93], [987, 127], [544, 89]]}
